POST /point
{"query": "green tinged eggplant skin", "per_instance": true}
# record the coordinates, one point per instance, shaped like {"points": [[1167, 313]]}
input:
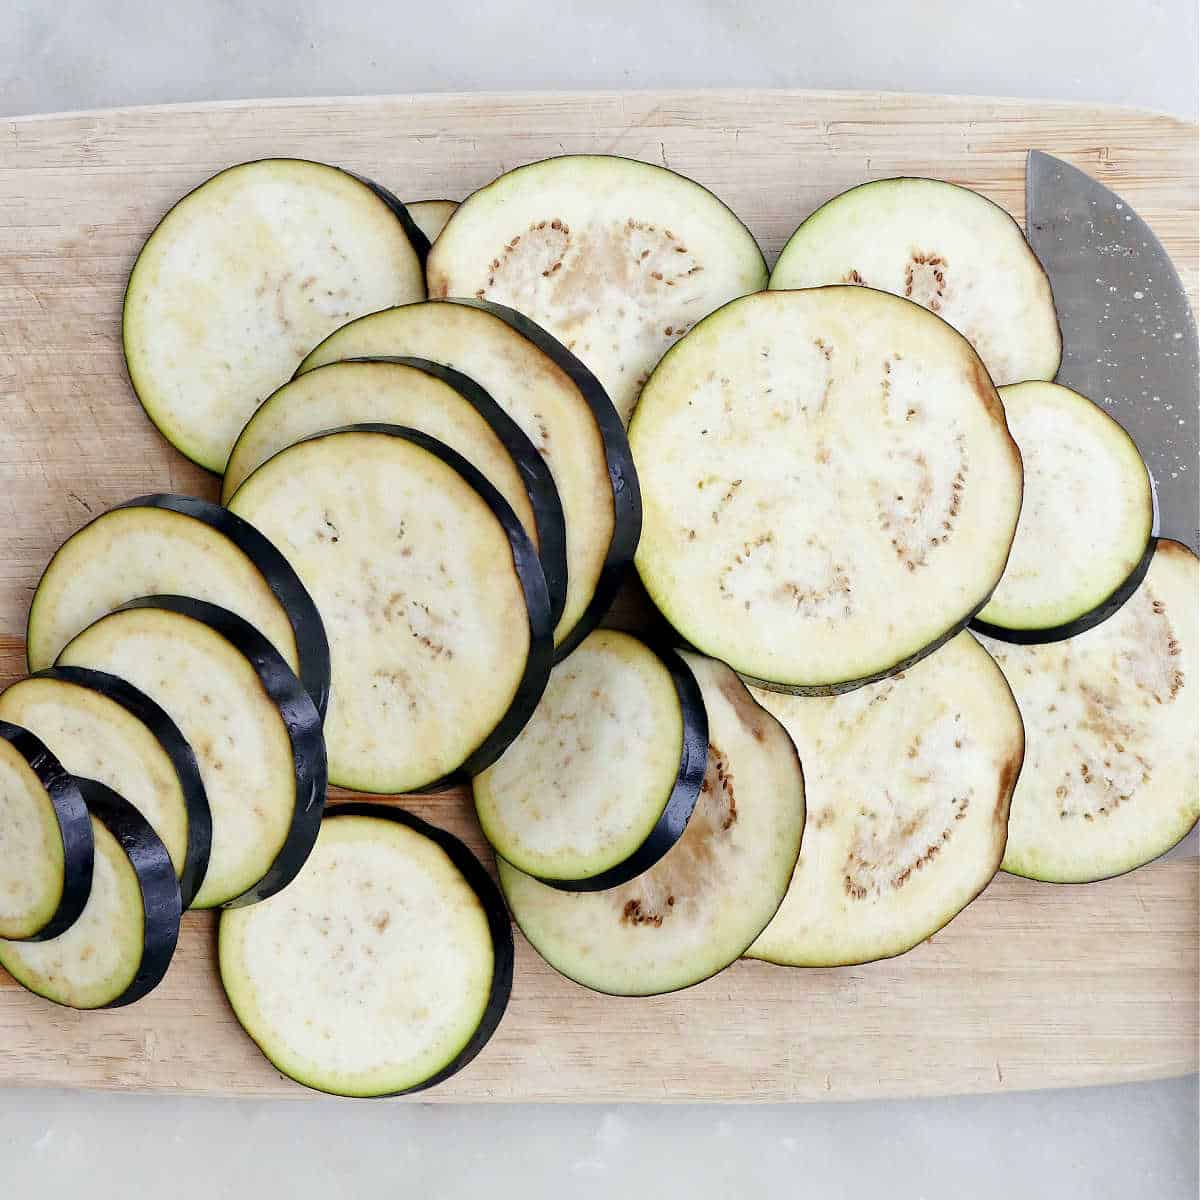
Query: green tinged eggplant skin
{"points": [[74, 825], [1089, 620], [178, 750], [682, 800], [300, 718], [627, 494], [535, 474], [413, 231], [161, 907]]}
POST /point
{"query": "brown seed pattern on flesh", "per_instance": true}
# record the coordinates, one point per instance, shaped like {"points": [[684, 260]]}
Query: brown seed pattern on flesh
{"points": [[691, 868], [925, 280]]}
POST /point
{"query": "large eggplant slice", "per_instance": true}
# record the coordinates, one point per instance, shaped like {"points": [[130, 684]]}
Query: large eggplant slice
{"points": [[46, 849], [944, 247], [430, 216], [561, 407], [830, 490], [121, 945], [1111, 777], [435, 603], [601, 782], [103, 728], [1083, 539], [615, 258], [241, 278], [177, 545], [698, 908], [384, 968], [438, 401], [908, 786], [255, 732]]}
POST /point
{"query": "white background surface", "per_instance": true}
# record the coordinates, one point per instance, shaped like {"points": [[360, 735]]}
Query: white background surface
{"points": [[1129, 1142]]}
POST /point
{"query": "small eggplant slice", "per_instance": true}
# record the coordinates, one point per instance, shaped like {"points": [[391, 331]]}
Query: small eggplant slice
{"points": [[1111, 777], [909, 784], [242, 277], [46, 848], [701, 905], [255, 732], [103, 728], [384, 969], [601, 782], [177, 546], [431, 216], [122, 944], [433, 596]]}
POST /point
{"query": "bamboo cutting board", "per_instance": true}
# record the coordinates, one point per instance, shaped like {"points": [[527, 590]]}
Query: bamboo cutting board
{"points": [[1033, 986]]}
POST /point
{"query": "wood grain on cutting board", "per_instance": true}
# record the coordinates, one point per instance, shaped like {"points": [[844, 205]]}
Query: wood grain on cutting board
{"points": [[1033, 986]]}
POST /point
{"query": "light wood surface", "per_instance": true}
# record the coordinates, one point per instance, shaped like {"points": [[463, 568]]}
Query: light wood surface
{"points": [[1033, 986]]}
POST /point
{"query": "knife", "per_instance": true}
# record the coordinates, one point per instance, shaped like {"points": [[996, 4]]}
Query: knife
{"points": [[1129, 337]]}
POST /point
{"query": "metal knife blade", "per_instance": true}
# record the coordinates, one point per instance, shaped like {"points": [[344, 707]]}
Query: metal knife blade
{"points": [[1129, 337]]}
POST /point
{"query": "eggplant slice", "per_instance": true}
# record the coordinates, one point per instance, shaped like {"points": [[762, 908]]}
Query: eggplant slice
{"points": [[103, 728], [909, 782], [615, 258], [46, 848], [601, 782], [1085, 522], [177, 545], [431, 216], [437, 400], [944, 247], [561, 407], [699, 908], [432, 594], [122, 944], [1111, 767], [241, 278], [384, 969], [829, 487], [255, 732]]}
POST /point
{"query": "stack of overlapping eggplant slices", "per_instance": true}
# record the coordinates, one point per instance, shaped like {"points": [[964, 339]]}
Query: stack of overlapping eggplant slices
{"points": [[439, 462]]}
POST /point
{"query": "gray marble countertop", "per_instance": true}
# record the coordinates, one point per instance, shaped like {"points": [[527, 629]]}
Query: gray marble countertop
{"points": [[1131, 1141]]}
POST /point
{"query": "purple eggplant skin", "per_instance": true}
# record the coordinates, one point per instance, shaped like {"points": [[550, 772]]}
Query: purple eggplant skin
{"points": [[535, 474], [74, 824], [682, 800], [533, 586], [1082, 623], [622, 474], [300, 718], [178, 750], [499, 926], [161, 907]]}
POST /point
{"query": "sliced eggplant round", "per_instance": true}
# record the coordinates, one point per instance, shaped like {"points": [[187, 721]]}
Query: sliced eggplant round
{"points": [[103, 728], [698, 908], [615, 258], [437, 400], [433, 596], [255, 732], [909, 783], [384, 969], [944, 247], [121, 946], [431, 216], [561, 407], [1112, 776], [46, 849], [1083, 539], [241, 278], [601, 782], [829, 487], [177, 545]]}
